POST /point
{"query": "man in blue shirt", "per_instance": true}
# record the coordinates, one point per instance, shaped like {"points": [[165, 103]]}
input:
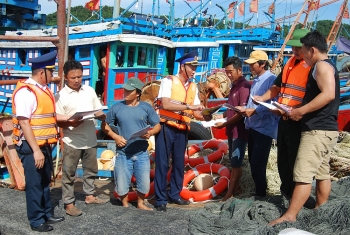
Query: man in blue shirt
{"points": [[260, 122], [130, 116]]}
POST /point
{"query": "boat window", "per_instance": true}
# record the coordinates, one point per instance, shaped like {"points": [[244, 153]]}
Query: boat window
{"points": [[141, 57], [120, 56], [71, 54], [150, 57], [244, 51], [131, 56], [22, 54], [45, 51], [155, 58], [84, 52], [203, 54]]}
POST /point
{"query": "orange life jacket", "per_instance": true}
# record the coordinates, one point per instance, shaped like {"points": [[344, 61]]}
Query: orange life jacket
{"points": [[294, 78], [43, 120], [179, 95]]}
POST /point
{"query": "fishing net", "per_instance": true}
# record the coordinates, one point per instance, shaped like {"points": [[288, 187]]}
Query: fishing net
{"points": [[245, 214], [340, 157], [251, 215]]}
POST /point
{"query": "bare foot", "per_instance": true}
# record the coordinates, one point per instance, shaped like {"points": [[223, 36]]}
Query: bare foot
{"points": [[126, 205], [227, 196], [144, 207], [282, 219]]}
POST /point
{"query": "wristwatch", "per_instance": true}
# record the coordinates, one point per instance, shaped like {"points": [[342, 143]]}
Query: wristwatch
{"points": [[187, 107]]}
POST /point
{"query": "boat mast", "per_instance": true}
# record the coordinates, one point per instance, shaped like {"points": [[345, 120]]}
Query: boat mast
{"points": [[273, 17], [172, 12], [61, 33], [336, 25], [116, 9], [296, 21], [66, 46]]}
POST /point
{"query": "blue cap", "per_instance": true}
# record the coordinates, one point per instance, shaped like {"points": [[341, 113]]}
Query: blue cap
{"points": [[189, 58], [45, 61]]}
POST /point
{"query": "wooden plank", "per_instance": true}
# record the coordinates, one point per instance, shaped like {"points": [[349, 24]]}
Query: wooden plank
{"points": [[13, 163]]}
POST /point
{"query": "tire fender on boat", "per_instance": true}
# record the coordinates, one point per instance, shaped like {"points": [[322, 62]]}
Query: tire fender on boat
{"points": [[220, 145], [211, 192]]}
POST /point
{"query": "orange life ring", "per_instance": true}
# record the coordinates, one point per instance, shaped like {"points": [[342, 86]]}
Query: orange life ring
{"points": [[220, 145], [209, 193]]}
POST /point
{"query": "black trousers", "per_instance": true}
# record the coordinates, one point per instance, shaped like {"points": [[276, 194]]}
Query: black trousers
{"points": [[37, 184], [288, 140], [259, 146]]}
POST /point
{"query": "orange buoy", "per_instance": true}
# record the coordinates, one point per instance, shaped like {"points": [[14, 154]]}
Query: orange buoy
{"points": [[220, 145], [211, 192]]}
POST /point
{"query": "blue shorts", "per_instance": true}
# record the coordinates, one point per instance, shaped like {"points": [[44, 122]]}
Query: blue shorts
{"points": [[236, 148], [125, 166]]}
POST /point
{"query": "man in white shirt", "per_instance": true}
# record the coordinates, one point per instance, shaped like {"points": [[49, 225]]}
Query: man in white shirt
{"points": [[177, 103], [79, 138], [34, 131]]}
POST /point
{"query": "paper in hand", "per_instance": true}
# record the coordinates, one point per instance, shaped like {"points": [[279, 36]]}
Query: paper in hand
{"points": [[282, 107], [212, 110], [267, 105], [140, 132], [83, 114], [212, 122]]}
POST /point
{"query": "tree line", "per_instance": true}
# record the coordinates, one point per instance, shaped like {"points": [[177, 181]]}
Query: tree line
{"points": [[81, 14]]}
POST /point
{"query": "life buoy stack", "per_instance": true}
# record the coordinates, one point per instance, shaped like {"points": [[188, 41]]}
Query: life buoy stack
{"points": [[201, 165], [220, 145], [212, 192]]}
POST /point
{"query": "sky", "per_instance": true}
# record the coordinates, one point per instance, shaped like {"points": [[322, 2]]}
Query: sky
{"points": [[283, 8]]}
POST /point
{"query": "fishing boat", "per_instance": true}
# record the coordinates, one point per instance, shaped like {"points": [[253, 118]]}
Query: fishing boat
{"points": [[141, 45]]}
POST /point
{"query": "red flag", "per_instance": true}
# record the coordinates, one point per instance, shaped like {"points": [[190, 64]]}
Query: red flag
{"points": [[317, 4], [346, 12], [241, 9], [253, 7], [230, 7], [312, 5], [271, 8], [93, 5]]}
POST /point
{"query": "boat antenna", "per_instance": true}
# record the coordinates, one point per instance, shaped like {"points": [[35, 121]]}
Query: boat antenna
{"points": [[158, 9], [153, 6], [243, 26], [172, 12], [141, 6]]}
